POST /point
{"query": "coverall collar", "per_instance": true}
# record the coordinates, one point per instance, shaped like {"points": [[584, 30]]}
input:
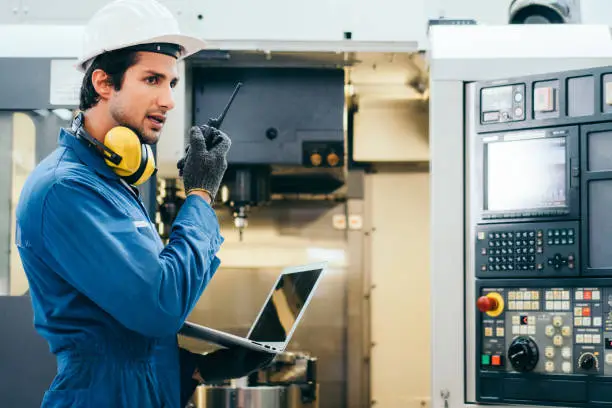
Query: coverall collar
{"points": [[86, 154]]}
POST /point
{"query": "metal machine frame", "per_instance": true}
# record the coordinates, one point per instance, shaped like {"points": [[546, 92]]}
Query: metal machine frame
{"points": [[460, 55]]}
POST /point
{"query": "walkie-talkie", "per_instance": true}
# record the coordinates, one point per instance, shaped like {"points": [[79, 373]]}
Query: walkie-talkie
{"points": [[215, 123]]}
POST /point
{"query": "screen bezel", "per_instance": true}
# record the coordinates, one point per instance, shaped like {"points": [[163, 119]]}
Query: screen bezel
{"points": [[571, 210], [280, 346]]}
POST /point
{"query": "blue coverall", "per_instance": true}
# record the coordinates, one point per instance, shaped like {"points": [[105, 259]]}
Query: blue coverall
{"points": [[107, 295]]}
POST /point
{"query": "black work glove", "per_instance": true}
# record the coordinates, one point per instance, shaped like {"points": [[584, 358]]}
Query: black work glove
{"points": [[205, 160], [188, 364], [230, 363]]}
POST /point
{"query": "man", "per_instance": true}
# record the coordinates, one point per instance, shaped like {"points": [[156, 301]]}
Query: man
{"points": [[106, 294]]}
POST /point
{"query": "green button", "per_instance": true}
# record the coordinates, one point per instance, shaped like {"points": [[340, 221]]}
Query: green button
{"points": [[486, 359]]}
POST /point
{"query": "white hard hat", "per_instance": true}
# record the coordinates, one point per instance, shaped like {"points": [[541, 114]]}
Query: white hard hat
{"points": [[126, 23]]}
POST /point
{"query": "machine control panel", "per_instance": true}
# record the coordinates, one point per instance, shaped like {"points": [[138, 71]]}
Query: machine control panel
{"points": [[549, 332], [500, 104], [538, 232], [527, 250]]}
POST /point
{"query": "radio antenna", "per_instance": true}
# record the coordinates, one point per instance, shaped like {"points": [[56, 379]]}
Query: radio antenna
{"points": [[216, 123]]}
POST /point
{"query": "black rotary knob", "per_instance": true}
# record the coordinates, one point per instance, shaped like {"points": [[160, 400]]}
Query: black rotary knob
{"points": [[523, 354], [587, 361]]}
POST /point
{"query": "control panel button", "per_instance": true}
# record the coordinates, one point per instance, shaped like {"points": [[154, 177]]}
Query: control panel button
{"points": [[485, 359], [566, 367], [486, 304], [566, 353], [558, 340], [566, 331], [496, 360], [557, 321], [549, 330], [543, 99], [549, 352], [492, 304]]}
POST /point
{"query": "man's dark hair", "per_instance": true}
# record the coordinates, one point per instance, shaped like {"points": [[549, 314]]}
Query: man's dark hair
{"points": [[114, 63]]}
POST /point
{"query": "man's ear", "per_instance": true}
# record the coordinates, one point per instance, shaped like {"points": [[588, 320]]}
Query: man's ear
{"points": [[102, 83]]}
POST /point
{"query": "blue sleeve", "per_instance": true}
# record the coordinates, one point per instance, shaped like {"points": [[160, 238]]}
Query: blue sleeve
{"points": [[98, 249]]}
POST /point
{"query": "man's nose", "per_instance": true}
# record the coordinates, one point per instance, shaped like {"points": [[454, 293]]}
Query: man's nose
{"points": [[166, 98]]}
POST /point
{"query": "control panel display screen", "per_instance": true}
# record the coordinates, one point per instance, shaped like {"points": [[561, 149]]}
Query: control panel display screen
{"points": [[501, 104], [525, 174], [497, 99]]}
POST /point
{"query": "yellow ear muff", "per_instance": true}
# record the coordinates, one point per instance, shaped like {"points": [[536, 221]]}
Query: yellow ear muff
{"points": [[137, 163], [126, 144], [149, 166]]}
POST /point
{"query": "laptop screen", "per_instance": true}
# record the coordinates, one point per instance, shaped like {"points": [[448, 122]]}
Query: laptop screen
{"points": [[283, 307]]}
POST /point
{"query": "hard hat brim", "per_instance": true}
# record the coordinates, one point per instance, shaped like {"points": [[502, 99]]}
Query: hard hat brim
{"points": [[190, 45]]}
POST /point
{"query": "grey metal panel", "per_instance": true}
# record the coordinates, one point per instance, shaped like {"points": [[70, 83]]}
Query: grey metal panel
{"points": [[298, 104], [6, 164], [355, 184], [27, 367], [447, 242], [358, 316], [600, 223], [47, 133], [599, 151], [581, 96], [472, 204], [25, 84]]}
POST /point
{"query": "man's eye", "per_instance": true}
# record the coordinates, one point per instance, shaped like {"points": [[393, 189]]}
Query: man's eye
{"points": [[152, 80]]}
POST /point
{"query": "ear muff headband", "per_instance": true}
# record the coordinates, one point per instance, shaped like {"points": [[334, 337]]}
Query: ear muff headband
{"points": [[135, 164], [79, 132]]}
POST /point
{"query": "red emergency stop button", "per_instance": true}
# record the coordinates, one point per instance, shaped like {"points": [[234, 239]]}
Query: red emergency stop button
{"points": [[492, 304], [496, 360], [486, 304]]}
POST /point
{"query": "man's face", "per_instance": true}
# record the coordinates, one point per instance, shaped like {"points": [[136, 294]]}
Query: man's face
{"points": [[146, 95]]}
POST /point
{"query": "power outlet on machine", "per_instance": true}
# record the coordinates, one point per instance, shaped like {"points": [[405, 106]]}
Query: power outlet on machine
{"points": [[354, 222], [339, 221]]}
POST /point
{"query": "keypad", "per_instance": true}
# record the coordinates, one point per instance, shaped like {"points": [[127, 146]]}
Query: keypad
{"points": [[561, 236], [538, 249], [514, 250]]}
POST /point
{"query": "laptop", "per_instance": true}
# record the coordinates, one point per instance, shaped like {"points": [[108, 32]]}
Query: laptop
{"points": [[278, 317]]}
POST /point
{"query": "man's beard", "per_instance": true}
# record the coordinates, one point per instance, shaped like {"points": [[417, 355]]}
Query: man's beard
{"points": [[144, 138]]}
